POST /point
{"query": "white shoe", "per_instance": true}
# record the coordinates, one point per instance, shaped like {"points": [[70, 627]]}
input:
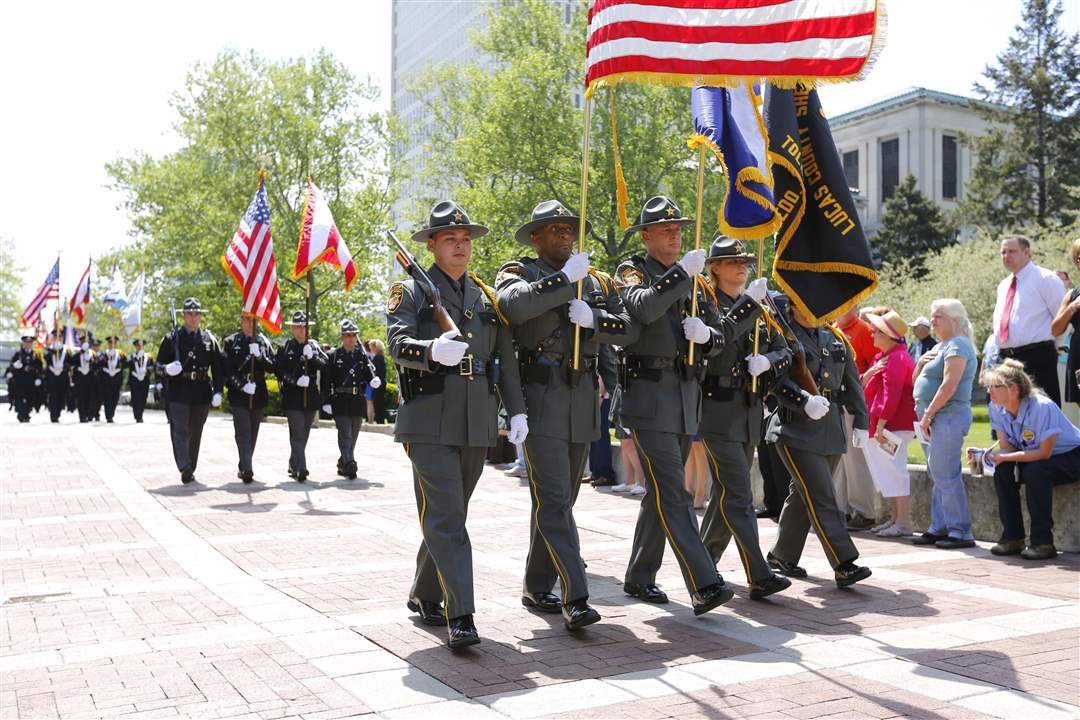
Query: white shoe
{"points": [[621, 488], [517, 472], [637, 490]]}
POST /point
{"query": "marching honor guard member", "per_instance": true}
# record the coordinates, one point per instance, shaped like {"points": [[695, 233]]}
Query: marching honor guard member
{"points": [[808, 431], [25, 372], [296, 364], [139, 365], [113, 362], [58, 363], [539, 298], [191, 358], [732, 413], [97, 394], [247, 357], [661, 398], [83, 374], [453, 349], [348, 371]]}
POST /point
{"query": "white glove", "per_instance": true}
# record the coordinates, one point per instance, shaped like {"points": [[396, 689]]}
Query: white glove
{"points": [[303, 381], [859, 437], [37, 383], [85, 347], [328, 409], [696, 330], [447, 351], [758, 289], [158, 387], [17, 364], [308, 352], [581, 314], [375, 383], [757, 364], [255, 350], [249, 388], [216, 400], [817, 407], [576, 267], [174, 368], [693, 262], [519, 429]]}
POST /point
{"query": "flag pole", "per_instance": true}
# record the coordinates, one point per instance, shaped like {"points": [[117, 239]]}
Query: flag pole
{"points": [[581, 223], [697, 238], [757, 325]]}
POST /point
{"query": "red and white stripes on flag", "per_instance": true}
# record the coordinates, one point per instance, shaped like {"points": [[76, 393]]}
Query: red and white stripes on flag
{"points": [[81, 297], [717, 42], [249, 261], [49, 290], [320, 240]]}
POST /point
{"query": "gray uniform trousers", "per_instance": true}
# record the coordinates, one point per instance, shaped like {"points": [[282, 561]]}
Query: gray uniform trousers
{"points": [[730, 512], [348, 429], [554, 469], [444, 478], [299, 429], [185, 429], [667, 511], [246, 423], [811, 502]]}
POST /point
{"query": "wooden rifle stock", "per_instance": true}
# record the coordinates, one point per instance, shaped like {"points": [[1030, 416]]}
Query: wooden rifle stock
{"points": [[431, 291], [799, 372]]}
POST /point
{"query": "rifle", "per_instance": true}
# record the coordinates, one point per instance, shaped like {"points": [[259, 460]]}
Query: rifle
{"points": [[408, 263], [799, 372]]}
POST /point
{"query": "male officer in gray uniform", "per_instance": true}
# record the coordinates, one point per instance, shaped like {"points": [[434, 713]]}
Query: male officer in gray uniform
{"points": [[661, 398], [247, 356], [348, 371], [809, 435], [732, 413], [539, 298], [450, 412], [296, 365]]}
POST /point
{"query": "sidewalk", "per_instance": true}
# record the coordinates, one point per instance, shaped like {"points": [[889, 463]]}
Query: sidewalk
{"points": [[126, 594]]}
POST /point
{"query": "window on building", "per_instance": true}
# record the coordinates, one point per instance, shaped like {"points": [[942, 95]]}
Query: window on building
{"points": [[890, 167], [950, 173], [851, 168]]}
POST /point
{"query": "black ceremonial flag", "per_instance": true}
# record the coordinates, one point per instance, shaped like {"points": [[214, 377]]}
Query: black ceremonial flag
{"points": [[822, 258]]}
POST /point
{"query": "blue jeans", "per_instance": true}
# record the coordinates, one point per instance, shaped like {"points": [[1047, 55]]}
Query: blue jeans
{"points": [[949, 514], [600, 464]]}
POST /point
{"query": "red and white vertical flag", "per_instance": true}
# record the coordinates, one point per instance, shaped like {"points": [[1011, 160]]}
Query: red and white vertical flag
{"points": [[81, 297], [320, 240], [249, 261], [49, 290]]}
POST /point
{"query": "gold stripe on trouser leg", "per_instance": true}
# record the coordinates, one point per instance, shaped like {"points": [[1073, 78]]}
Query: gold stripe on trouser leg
{"points": [[536, 519], [810, 505], [423, 512], [663, 520], [723, 515]]}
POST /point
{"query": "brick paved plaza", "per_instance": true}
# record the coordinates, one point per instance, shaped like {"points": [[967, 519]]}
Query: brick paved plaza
{"points": [[126, 594]]}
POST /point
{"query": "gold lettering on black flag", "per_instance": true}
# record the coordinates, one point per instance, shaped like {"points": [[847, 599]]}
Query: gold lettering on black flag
{"points": [[822, 258]]}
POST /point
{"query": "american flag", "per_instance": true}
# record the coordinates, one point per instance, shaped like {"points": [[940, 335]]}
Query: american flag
{"points": [[713, 42], [49, 290], [249, 260]]}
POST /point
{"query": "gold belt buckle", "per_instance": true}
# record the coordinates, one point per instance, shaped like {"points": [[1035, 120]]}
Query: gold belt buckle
{"points": [[465, 367]]}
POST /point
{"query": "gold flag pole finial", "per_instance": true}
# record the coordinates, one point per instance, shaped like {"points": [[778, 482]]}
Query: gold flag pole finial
{"points": [[264, 160]]}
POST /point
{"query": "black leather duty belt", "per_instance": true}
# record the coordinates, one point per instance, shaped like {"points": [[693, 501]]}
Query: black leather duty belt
{"points": [[348, 391]]}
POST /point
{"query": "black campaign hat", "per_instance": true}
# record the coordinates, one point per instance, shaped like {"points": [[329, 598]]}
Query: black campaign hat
{"points": [[136, 341], [299, 318], [725, 248], [348, 327], [448, 215], [548, 213], [658, 211], [191, 305], [111, 338]]}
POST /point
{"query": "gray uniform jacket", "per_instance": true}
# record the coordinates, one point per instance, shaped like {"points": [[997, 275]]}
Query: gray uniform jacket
{"points": [[451, 406], [831, 362], [729, 409], [658, 298], [534, 297]]}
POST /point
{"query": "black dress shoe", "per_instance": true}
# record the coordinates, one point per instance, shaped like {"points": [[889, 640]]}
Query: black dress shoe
{"points": [[431, 613], [711, 596], [187, 476], [543, 601], [648, 592], [849, 573], [578, 614], [603, 482], [247, 476], [768, 586], [1008, 547], [1039, 552], [292, 473], [462, 632], [301, 476], [951, 543], [858, 522], [927, 539], [783, 567]]}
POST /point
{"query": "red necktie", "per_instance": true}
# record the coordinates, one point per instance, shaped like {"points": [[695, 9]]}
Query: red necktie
{"points": [[1003, 324]]}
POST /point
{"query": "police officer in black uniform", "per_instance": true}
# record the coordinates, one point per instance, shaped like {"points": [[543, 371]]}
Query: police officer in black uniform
{"points": [[348, 371], [248, 356], [97, 394], [82, 372], [113, 362], [296, 365], [25, 373], [58, 363], [191, 358], [140, 369]]}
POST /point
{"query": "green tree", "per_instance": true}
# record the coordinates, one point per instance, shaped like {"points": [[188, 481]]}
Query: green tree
{"points": [[911, 227], [310, 116], [507, 135], [1032, 94], [10, 284]]}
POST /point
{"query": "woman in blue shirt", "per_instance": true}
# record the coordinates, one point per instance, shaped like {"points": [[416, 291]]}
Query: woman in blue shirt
{"points": [[943, 379], [1039, 447]]}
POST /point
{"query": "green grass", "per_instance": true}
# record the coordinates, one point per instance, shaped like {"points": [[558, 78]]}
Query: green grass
{"points": [[978, 436]]}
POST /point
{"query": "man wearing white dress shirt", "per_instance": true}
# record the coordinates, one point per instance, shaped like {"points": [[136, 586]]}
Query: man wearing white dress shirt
{"points": [[1027, 300]]}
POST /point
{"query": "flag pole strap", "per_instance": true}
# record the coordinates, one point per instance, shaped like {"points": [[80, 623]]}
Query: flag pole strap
{"points": [[581, 213], [697, 238], [757, 326]]}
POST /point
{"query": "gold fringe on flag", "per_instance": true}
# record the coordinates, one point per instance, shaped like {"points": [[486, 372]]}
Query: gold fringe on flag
{"points": [[622, 194]]}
